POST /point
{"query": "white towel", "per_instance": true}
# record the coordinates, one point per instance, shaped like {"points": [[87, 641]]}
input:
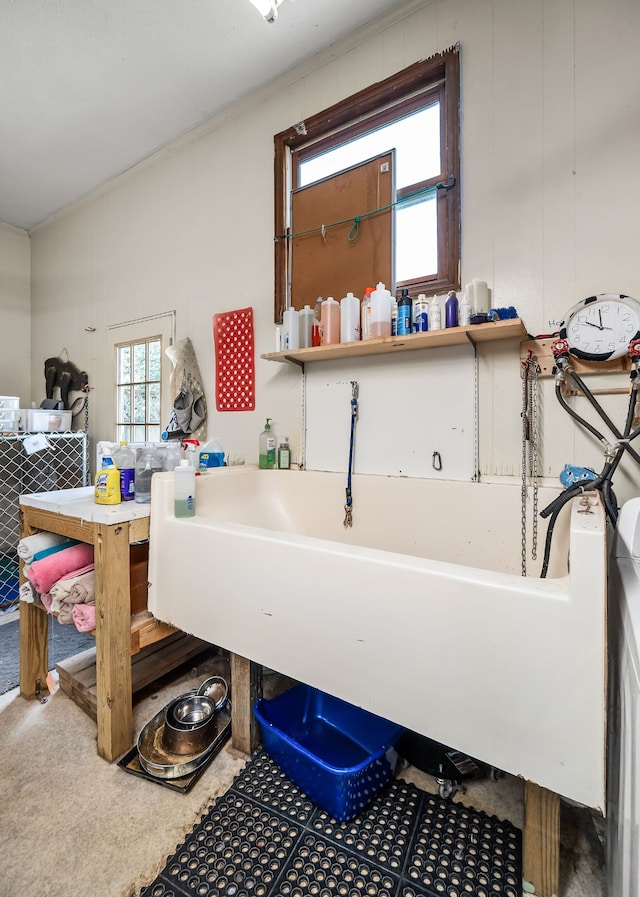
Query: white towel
{"points": [[75, 586], [27, 592], [30, 545]]}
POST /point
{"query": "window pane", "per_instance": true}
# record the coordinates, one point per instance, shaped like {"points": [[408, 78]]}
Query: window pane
{"points": [[416, 239], [124, 364], [139, 434], [416, 139], [154, 359], [139, 362], [139, 404], [124, 404], [153, 434], [153, 414]]}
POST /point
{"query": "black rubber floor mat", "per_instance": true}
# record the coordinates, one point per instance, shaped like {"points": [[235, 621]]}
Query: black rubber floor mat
{"points": [[264, 838]]}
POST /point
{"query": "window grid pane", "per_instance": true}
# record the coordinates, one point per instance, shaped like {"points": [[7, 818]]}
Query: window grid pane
{"points": [[138, 390]]}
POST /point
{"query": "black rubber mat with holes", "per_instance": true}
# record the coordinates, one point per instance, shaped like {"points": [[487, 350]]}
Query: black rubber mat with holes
{"points": [[264, 838]]}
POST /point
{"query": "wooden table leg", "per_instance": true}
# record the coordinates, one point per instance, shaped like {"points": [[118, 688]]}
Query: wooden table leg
{"points": [[113, 641], [246, 687], [34, 649], [541, 841]]}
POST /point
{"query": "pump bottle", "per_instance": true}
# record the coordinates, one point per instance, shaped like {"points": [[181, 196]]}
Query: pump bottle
{"points": [[267, 448]]}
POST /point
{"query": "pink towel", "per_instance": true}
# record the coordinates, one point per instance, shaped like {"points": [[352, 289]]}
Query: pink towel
{"points": [[44, 573], [84, 616]]}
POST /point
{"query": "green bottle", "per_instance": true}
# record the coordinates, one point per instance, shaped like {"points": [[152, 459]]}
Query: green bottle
{"points": [[284, 454], [267, 448]]}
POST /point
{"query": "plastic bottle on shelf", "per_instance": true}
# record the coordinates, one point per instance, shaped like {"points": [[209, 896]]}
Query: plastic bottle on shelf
{"points": [[404, 313], [291, 329], [211, 454], [267, 448], [306, 321], [125, 461], [184, 497], [316, 326], [330, 321], [435, 314], [107, 483], [147, 463], [380, 319], [365, 314], [284, 454], [349, 319], [465, 311], [172, 455], [451, 310], [421, 314]]}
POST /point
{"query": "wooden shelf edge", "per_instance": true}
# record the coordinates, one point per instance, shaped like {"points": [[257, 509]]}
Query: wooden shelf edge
{"points": [[512, 328]]}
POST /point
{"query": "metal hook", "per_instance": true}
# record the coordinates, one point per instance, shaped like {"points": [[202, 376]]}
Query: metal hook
{"points": [[436, 461]]}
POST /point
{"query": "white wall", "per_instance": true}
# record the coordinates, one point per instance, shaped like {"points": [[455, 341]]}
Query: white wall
{"points": [[15, 313], [550, 192]]}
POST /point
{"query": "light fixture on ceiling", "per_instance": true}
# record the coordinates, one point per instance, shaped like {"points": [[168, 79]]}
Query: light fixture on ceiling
{"points": [[267, 8]]}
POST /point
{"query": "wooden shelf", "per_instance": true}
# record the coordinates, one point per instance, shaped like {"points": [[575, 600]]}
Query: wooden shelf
{"points": [[512, 328]]}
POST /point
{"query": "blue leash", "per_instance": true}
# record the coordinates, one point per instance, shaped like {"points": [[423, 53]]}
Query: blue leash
{"points": [[354, 415]]}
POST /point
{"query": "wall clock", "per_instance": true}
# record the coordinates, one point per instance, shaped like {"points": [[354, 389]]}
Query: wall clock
{"points": [[601, 327]]}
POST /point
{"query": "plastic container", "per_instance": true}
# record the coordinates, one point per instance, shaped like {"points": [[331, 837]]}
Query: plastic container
{"points": [[184, 499], [284, 454], [316, 327], [421, 314], [306, 316], [338, 754], [9, 402], [451, 310], [380, 317], [465, 311], [211, 455], [291, 329], [365, 314], [435, 314], [349, 319], [148, 462], [267, 448], [44, 420], [330, 321], [125, 461], [404, 313], [107, 483]]}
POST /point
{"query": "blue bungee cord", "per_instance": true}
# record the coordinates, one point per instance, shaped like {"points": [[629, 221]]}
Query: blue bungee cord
{"points": [[354, 415]]}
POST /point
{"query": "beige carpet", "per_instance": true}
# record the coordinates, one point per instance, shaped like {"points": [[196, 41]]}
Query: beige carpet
{"points": [[73, 825]]}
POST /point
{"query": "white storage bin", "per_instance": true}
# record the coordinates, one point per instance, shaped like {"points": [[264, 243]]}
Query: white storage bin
{"points": [[9, 420], [9, 402], [42, 419]]}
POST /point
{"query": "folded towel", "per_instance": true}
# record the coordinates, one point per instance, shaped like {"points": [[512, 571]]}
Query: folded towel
{"points": [[75, 586], [46, 599], [39, 555], [65, 613], [28, 546], [27, 592], [84, 616], [44, 573]]}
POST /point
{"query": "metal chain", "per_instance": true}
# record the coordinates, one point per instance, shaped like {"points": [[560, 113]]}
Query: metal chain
{"points": [[523, 492], [529, 375]]}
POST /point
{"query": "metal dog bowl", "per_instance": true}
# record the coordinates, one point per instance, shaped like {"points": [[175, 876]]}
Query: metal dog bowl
{"points": [[216, 688], [189, 724]]}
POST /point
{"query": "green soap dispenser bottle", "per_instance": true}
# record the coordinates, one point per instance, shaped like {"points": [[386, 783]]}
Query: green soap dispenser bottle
{"points": [[284, 454], [267, 448]]}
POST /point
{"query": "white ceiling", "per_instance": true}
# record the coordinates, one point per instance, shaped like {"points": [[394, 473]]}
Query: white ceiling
{"points": [[89, 88]]}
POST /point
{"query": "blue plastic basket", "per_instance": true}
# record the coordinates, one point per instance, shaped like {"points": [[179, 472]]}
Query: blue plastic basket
{"points": [[9, 581], [338, 754]]}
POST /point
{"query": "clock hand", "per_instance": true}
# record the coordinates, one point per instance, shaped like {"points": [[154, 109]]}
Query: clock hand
{"points": [[600, 316]]}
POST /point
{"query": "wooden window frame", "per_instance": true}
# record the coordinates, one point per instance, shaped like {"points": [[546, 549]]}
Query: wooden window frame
{"points": [[438, 76]]}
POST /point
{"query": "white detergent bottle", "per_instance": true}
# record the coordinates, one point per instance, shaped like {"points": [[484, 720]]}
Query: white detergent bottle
{"points": [[435, 314], [306, 316], [349, 319], [291, 328], [380, 317], [184, 501]]}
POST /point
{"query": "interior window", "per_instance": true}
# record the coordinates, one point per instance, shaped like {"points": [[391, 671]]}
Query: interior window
{"points": [[415, 113], [138, 390]]}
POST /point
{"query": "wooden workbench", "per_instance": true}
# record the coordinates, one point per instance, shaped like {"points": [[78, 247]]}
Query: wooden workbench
{"points": [[111, 529]]}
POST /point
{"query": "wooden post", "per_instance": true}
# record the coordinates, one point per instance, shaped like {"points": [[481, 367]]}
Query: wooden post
{"points": [[246, 688], [34, 637], [541, 841], [113, 640]]}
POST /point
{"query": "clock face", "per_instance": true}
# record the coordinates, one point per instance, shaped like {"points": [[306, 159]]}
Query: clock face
{"points": [[601, 327]]}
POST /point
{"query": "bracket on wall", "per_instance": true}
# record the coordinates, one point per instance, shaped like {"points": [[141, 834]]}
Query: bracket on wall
{"points": [[541, 351]]}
